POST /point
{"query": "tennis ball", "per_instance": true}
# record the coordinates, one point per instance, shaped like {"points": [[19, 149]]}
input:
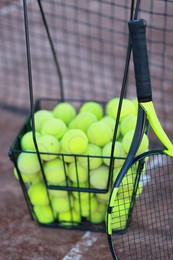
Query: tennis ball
{"points": [[119, 154], [110, 122], [38, 194], [32, 178], [69, 218], [128, 108], [28, 163], [86, 206], [91, 158], [103, 197], [127, 140], [40, 118], [77, 173], [92, 107], [98, 215], [99, 177], [135, 103], [81, 194], [66, 156], [62, 204], [64, 111], [48, 144], [58, 193], [44, 214], [128, 124], [27, 142], [55, 171], [99, 133], [83, 121], [55, 127], [74, 141]]}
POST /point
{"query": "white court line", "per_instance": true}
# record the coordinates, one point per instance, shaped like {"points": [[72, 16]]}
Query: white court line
{"points": [[13, 7], [82, 246]]}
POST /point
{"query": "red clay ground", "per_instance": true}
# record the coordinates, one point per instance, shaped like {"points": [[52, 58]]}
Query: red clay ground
{"points": [[22, 238]]}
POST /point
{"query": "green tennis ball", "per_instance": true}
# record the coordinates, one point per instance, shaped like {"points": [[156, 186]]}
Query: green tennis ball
{"points": [[86, 206], [40, 117], [135, 103], [127, 140], [69, 218], [128, 108], [83, 121], [103, 197], [67, 156], [55, 171], [92, 107], [62, 204], [81, 194], [64, 111], [48, 144], [74, 141], [91, 158], [119, 154], [99, 177], [32, 178], [77, 173], [110, 122], [128, 124], [28, 163], [27, 142], [44, 214], [38, 194], [98, 215], [55, 127], [99, 134]]}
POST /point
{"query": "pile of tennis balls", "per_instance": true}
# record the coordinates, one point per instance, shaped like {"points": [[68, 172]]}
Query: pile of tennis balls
{"points": [[75, 147]]}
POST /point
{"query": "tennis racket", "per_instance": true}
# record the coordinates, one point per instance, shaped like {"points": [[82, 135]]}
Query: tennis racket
{"points": [[140, 210]]}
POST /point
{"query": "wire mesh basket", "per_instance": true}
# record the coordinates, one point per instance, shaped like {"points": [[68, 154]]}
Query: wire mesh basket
{"points": [[76, 52]]}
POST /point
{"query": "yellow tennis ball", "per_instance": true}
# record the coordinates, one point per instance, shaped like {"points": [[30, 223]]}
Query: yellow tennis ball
{"points": [[62, 204], [55, 171], [99, 177], [135, 103], [40, 118], [91, 158], [86, 206], [92, 107], [81, 194], [127, 140], [27, 142], [119, 154], [99, 134], [77, 173], [28, 163], [38, 194], [69, 218], [128, 108], [67, 156], [44, 214], [64, 111], [48, 144], [110, 122], [98, 215], [103, 197], [31, 178], [55, 127], [83, 121], [128, 124], [74, 141]]}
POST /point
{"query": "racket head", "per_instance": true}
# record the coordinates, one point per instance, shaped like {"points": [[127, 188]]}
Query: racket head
{"points": [[143, 210]]}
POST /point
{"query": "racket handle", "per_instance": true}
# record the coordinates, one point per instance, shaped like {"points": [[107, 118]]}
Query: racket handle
{"points": [[137, 29]]}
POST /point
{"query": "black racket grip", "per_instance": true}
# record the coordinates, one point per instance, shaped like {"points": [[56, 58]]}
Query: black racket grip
{"points": [[137, 29]]}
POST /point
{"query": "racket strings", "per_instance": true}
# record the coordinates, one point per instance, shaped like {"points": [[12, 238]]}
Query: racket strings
{"points": [[145, 231]]}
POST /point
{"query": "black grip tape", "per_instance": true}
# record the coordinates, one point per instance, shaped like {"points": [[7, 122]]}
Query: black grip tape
{"points": [[137, 29]]}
